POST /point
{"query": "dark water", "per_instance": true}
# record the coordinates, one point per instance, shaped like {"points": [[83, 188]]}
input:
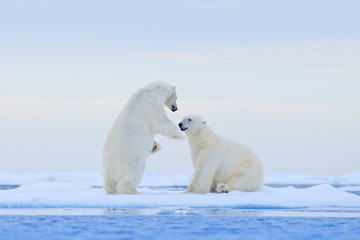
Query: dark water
{"points": [[176, 227], [8, 186]]}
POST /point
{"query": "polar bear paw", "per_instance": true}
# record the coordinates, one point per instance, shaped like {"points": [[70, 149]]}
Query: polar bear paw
{"points": [[187, 191], [179, 135], [156, 147], [222, 188]]}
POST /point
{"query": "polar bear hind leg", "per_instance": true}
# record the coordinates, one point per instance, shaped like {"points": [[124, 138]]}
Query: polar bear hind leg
{"points": [[222, 188], [132, 178], [126, 188], [129, 183], [244, 183], [239, 183], [113, 187], [110, 186]]}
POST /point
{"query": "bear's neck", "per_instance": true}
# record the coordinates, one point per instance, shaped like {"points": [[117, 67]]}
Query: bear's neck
{"points": [[200, 137]]}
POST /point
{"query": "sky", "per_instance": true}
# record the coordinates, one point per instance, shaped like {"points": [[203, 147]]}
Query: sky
{"points": [[281, 77]]}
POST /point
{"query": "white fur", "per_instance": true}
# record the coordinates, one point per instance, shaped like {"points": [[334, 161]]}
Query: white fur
{"points": [[221, 165], [131, 137]]}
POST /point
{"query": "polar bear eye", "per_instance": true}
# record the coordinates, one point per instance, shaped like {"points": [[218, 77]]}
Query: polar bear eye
{"points": [[189, 119]]}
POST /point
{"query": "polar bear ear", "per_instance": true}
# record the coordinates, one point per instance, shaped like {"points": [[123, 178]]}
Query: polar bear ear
{"points": [[204, 122], [173, 87]]}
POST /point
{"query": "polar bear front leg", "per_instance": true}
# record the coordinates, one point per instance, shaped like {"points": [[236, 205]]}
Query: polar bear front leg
{"points": [[170, 130], [156, 147], [202, 180]]}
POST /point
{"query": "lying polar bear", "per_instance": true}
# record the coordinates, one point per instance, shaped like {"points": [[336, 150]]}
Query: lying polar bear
{"points": [[221, 165], [131, 138]]}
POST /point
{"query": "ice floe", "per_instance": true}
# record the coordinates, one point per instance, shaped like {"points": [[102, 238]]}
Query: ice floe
{"points": [[83, 190]]}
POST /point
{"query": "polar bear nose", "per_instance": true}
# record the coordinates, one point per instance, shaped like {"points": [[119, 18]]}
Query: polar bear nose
{"points": [[181, 126], [173, 108]]}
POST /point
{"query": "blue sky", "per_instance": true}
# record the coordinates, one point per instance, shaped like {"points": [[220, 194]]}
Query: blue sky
{"points": [[279, 76]]}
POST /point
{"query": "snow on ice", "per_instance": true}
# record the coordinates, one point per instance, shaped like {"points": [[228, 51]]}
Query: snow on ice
{"points": [[83, 190]]}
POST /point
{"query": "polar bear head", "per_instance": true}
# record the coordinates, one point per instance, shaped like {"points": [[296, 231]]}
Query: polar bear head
{"points": [[170, 102], [165, 92], [191, 124]]}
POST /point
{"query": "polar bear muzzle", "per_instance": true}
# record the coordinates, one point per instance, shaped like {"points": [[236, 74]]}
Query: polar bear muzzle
{"points": [[173, 108], [170, 103], [182, 127]]}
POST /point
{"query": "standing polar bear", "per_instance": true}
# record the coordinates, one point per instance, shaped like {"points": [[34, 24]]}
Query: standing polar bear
{"points": [[131, 137], [221, 165]]}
